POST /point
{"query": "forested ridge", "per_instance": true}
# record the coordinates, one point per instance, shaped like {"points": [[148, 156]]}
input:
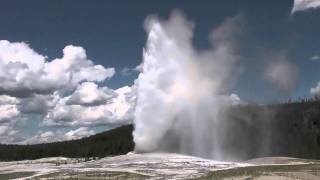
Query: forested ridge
{"points": [[114, 142], [289, 129]]}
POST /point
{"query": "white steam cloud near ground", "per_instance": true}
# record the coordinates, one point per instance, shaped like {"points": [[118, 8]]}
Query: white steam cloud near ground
{"points": [[180, 89]]}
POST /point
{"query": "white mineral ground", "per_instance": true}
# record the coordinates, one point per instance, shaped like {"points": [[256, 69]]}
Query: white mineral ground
{"points": [[150, 165]]}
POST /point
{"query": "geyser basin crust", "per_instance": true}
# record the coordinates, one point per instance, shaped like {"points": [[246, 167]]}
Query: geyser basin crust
{"points": [[149, 166]]}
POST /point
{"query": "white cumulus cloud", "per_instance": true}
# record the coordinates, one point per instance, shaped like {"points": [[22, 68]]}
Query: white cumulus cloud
{"points": [[88, 93], [303, 5], [315, 90], [4, 100], [79, 133], [50, 136], [8, 135], [24, 72], [8, 112], [315, 58], [60, 92], [116, 110]]}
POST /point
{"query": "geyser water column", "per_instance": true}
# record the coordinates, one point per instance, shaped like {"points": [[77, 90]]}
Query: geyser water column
{"points": [[181, 90]]}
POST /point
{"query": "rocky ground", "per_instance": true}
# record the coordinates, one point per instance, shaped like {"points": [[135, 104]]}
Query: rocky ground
{"points": [[160, 166]]}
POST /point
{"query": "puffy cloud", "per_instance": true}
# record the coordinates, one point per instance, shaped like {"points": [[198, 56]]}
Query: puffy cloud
{"points": [[5, 100], [60, 92], [8, 112], [303, 5], [79, 133], [116, 110], [37, 104], [50, 136], [235, 99], [282, 73], [315, 90], [315, 58], [139, 68], [10, 120], [88, 94], [43, 137], [23, 72], [3, 130], [9, 135], [75, 65]]}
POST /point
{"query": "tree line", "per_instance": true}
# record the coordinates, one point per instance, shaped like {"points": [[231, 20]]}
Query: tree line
{"points": [[114, 142]]}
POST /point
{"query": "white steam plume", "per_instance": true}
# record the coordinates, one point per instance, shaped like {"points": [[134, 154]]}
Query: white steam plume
{"points": [[181, 90], [282, 73]]}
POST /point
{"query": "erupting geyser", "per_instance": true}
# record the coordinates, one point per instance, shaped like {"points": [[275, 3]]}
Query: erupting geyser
{"points": [[181, 90]]}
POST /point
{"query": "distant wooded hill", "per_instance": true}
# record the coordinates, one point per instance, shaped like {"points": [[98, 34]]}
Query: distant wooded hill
{"points": [[114, 142], [290, 129], [249, 131]]}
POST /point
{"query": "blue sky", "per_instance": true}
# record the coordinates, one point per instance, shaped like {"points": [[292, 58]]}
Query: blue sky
{"points": [[112, 34], [112, 31]]}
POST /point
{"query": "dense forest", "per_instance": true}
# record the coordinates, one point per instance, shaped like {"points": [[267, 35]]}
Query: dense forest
{"points": [[114, 142], [288, 129]]}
